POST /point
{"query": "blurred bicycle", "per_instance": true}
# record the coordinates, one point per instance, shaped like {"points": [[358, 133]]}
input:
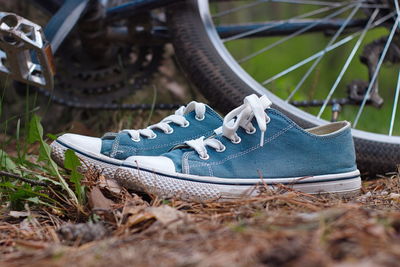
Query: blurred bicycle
{"points": [[317, 60]]}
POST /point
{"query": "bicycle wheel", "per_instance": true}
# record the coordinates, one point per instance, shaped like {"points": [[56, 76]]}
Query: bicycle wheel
{"points": [[230, 49]]}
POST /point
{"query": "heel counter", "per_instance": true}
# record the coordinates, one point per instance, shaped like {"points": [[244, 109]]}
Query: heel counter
{"points": [[349, 153]]}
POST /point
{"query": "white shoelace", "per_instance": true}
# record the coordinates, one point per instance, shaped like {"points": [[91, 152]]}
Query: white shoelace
{"points": [[253, 106], [177, 118]]}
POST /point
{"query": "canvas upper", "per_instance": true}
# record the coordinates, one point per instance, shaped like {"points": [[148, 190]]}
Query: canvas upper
{"points": [[193, 121], [286, 150]]}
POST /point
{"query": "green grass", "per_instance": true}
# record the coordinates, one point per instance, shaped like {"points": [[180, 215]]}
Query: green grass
{"points": [[33, 178], [40, 168], [40, 183]]}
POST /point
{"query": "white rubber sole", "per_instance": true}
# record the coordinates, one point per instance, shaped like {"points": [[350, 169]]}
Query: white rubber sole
{"points": [[201, 188], [103, 164]]}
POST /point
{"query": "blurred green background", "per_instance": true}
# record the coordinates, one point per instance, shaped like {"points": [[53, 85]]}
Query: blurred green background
{"points": [[294, 50]]}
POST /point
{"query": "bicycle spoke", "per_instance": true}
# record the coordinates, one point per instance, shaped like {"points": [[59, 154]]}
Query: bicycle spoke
{"points": [[322, 28], [256, 3], [236, 9], [295, 34], [394, 110], [396, 98], [308, 14], [325, 3], [309, 59], [327, 49], [374, 76], [314, 65], [309, 2], [348, 61]]}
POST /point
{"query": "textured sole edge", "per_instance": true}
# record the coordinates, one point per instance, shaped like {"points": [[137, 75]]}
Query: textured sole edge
{"points": [[106, 169], [170, 187]]}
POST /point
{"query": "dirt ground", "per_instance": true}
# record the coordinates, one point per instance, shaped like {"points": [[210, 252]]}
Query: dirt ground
{"points": [[278, 228]]}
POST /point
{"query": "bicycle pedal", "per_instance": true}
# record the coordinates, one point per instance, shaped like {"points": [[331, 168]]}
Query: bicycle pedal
{"points": [[25, 54]]}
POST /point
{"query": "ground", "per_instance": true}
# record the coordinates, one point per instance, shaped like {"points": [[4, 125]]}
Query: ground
{"points": [[277, 228]]}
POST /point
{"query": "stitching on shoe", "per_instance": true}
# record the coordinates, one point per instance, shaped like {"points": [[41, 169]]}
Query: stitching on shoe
{"points": [[115, 146], [210, 170], [185, 162], [246, 151]]}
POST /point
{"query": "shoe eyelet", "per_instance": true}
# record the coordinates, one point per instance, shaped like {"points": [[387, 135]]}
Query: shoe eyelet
{"points": [[153, 136], [205, 158], [268, 120], [170, 131], [221, 150], [201, 118], [187, 123], [135, 140], [252, 131], [237, 141]]}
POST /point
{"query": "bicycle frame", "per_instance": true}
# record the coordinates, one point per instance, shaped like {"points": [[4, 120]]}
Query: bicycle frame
{"points": [[99, 20], [64, 23]]}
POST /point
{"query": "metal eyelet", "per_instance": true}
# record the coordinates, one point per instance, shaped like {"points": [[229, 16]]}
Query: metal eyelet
{"points": [[200, 119], [268, 120], [170, 131], [135, 140], [221, 150], [153, 136], [237, 141], [187, 123], [252, 131], [205, 158]]}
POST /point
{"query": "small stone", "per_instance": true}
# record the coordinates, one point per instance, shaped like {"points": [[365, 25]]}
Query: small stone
{"points": [[366, 195], [394, 196], [19, 214], [82, 232]]}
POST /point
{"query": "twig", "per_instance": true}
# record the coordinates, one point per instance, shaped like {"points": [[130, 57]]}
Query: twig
{"points": [[26, 180]]}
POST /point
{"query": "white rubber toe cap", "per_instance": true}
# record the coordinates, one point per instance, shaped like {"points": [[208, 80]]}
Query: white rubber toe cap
{"points": [[81, 142], [159, 163]]}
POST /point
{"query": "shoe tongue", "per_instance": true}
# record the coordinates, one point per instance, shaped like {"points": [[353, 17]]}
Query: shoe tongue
{"points": [[109, 136]]}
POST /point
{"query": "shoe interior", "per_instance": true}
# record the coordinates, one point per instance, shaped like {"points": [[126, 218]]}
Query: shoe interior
{"points": [[329, 128]]}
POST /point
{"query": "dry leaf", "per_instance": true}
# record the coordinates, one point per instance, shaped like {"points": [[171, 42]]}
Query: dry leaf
{"points": [[138, 218], [98, 201], [168, 216], [109, 184]]}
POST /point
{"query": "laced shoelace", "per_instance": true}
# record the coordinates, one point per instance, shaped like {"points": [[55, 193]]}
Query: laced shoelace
{"points": [[177, 118], [242, 116]]}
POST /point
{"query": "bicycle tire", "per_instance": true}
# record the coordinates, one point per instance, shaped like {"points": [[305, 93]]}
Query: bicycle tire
{"points": [[214, 77]]}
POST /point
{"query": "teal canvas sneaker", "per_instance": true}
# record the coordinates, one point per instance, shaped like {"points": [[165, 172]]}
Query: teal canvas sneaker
{"points": [[107, 153], [256, 145]]}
